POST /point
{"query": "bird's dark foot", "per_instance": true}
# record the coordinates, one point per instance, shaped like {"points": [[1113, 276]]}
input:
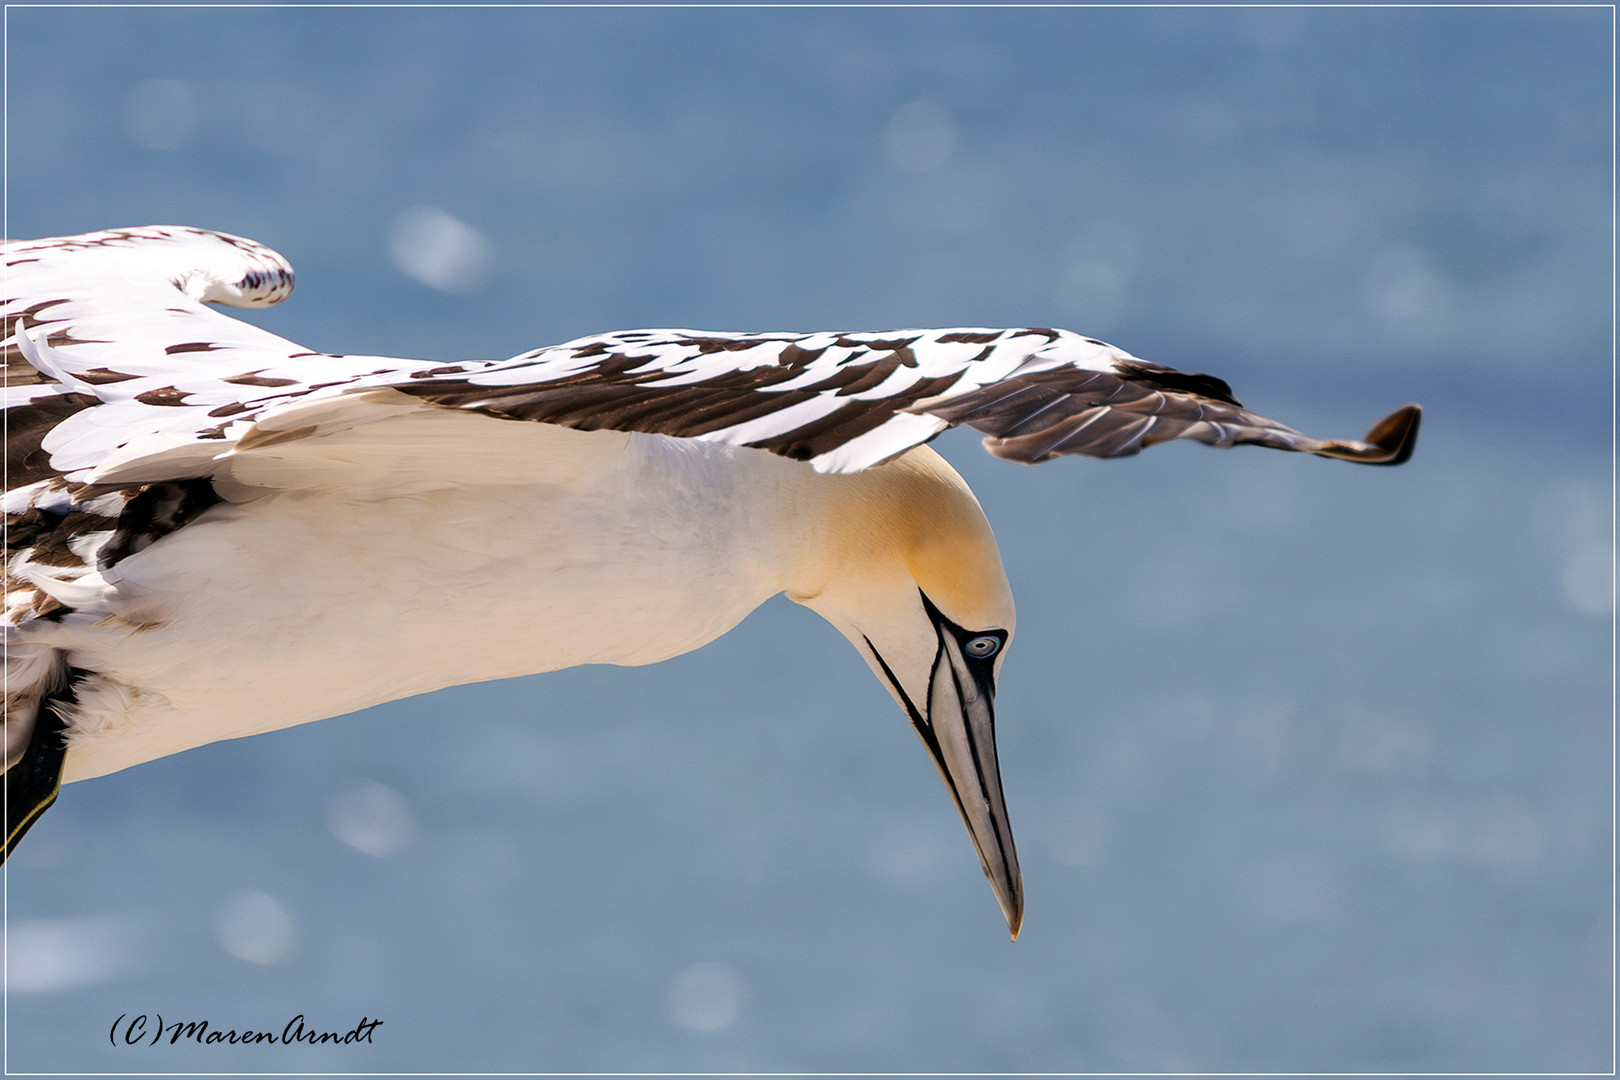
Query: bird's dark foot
{"points": [[32, 783]]}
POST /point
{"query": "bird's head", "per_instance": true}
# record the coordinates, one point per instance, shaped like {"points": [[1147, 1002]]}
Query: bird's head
{"points": [[902, 561]]}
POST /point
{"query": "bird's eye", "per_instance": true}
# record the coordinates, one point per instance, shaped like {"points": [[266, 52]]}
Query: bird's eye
{"points": [[982, 647]]}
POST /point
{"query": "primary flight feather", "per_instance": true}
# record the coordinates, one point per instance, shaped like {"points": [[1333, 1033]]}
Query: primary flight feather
{"points": [[212, 532]]}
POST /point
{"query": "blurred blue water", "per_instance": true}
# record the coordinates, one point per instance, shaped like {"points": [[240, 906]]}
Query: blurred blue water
{"points": [[1310, 765]]}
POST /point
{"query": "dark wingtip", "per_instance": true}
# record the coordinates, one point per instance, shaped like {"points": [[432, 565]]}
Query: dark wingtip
{"points": [[1390, 442], [1396, 435]]}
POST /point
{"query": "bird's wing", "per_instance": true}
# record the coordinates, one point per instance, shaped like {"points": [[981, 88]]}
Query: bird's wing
{"points": [[848, 401], [122, 390], [118, 373]]}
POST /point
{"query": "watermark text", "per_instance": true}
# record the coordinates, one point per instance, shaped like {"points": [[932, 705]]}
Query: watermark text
{"points": [[150, 1030]]}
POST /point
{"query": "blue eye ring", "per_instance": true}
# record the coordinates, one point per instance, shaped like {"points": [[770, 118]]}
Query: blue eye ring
{"points": [[982, 646]]}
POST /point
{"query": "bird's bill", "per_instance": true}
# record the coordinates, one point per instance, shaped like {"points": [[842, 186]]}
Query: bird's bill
{"points": [[952, 709], [960, 733]]}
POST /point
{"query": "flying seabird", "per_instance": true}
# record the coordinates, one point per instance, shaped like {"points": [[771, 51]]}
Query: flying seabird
{"points": [[212, 532]]}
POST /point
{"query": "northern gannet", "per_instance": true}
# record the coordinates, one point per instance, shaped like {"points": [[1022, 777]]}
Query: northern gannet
{"points": [[212, 532]]}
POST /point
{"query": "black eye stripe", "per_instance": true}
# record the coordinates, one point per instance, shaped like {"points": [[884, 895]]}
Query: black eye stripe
{"points": [[965, 638]]}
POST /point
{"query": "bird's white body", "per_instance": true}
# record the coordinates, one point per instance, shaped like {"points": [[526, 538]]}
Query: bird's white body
{"points": [[609, 548]]}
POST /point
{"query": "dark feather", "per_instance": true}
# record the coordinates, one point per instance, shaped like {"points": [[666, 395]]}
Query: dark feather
{"points": [[27, 425]]}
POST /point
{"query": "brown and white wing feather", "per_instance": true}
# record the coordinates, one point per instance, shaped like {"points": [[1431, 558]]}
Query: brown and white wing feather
{"points": [[1040, 415], [848, 401], [117, 368]]}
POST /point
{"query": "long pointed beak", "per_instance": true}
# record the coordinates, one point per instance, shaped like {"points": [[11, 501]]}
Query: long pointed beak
{"points": [[961, 737]]}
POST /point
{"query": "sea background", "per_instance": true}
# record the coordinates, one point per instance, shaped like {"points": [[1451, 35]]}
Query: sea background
{"points": [[1310, 765]]}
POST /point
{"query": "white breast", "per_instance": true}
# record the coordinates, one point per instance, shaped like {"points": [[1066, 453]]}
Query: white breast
{"points": [[311, 600]]}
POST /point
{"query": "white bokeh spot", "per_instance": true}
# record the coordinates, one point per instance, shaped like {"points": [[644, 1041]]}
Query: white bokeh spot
{"points": [[257, 929], [45, 956], [920, 137], [440, 251], [1408, 293], [1574, 518], [1587, 579], [707, 997], [372, 818]]}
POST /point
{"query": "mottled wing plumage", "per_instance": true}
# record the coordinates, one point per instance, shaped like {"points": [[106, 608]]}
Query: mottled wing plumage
{"points": [[59, 546], [125, 392], [848, 401], [120, 320], [1036, 416], [837, 400]]}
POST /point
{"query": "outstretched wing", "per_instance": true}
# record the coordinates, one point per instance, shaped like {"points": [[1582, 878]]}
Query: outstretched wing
{"points": [[847, 401], [117, 372]]}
